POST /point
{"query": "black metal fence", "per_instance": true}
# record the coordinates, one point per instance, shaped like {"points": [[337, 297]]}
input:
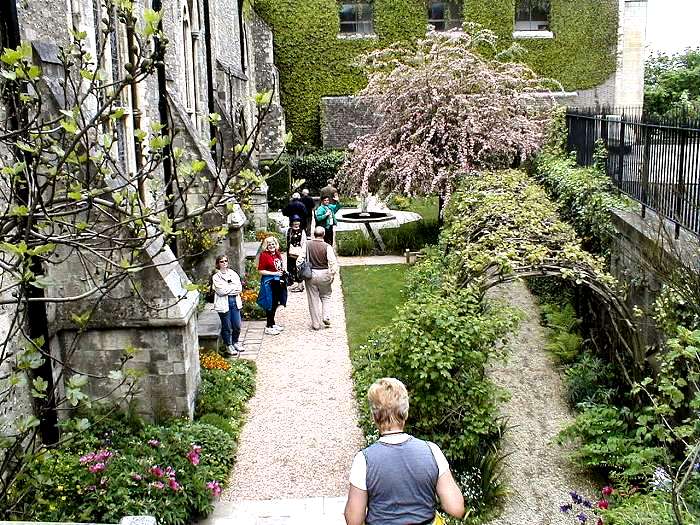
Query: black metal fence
{"points": [[656, 162]]}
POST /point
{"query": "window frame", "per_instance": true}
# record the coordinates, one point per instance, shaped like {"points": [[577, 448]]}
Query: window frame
{"points": [[450, 22], [533, 24], [367, 25]]}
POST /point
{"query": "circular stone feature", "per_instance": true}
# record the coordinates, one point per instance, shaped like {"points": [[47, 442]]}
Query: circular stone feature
{"points": [[365, 216]]}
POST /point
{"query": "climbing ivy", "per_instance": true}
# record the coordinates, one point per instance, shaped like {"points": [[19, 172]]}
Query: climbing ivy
{"points": [[314, 62]]}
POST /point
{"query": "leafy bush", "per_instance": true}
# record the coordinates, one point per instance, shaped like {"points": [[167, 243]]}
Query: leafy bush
{"points": [[225, 392], [316, 168], [588, 379], [166, 472], [218, 421], [278, 183], [586, 197], [412, 235], [354, 242], [608, 440]]}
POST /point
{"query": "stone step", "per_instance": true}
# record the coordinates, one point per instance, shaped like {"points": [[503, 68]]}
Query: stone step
{"points": [[306, 511]]}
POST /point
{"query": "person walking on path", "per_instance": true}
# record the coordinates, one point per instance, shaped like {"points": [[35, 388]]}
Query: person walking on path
{"points": [[227, 288], [395, 480], [309, 203], [296, 245], [272, 290], [298, 208], [324, 266], [325, 216], [329, 190]]}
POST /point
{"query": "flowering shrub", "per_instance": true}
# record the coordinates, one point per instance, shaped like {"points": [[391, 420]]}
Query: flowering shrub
{"points": [[121, 466], [213, 361], [585, 510]]}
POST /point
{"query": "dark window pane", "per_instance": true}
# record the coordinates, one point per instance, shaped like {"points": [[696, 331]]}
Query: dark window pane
{"points": [[532, 15], [356, 17], [444, 14]]}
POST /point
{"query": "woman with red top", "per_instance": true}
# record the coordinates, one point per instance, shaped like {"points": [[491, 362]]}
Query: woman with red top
{"points": [[272, 291]]}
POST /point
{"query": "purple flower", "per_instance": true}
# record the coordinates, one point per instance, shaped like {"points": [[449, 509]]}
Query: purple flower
{"points": [[136, 477], [582, 517], [157, 485], [193, 454], [575, 497], [103, 455], [174, 485], [157, 471], [565, 508], [170, 472], [154, 443], [587, 504]]}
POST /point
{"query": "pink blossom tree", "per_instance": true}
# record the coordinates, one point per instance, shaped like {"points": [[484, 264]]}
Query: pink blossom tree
{"points": [[447, 111]]}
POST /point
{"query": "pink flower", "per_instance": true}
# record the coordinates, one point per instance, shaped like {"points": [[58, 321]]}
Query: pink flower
{"points": [[157, 485], [214, 487], [157, 471], [173, 484], [154, 443], [87, 458], [603, 504], [136, 477], [193, 454], [103, 455], [97, 467], [607, 490], [170, 472]]}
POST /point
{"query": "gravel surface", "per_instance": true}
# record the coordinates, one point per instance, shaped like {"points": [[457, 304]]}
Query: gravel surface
{"points": [[301, 432], [539, 473]]}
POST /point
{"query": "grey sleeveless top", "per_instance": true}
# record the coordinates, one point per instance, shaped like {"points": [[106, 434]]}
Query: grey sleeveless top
{"points": [[401, 481]]}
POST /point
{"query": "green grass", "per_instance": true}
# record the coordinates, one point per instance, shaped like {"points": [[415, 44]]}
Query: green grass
{"points": [[372, 294]]}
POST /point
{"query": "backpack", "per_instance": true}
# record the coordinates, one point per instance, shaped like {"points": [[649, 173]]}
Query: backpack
{"points": [[209, 293]]}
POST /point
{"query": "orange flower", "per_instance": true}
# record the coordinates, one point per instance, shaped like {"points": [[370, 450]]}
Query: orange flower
{"points": [[212, 361], [249, 296]]}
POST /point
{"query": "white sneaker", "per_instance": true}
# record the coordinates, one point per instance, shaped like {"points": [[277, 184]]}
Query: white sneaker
{"points": [[239, 347], [231, 350], [272, 331], [278, 327]]}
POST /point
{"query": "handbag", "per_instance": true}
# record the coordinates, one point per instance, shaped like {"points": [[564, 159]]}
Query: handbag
{"points": [[294, 251], [304, 267]]}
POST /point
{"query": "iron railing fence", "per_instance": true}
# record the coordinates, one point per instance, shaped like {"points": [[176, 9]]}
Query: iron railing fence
{"points": [[653, 160]]}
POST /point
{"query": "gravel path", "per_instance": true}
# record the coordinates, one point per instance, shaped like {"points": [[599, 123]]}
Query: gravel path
{"points": [[301, 432], [540, 476]]}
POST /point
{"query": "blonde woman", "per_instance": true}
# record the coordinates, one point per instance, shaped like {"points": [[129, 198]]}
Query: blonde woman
{"points": [[273, 292], [395, 480]]}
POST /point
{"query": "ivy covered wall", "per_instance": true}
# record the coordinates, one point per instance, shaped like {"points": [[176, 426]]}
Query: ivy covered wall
{"points": [[313, 62]]}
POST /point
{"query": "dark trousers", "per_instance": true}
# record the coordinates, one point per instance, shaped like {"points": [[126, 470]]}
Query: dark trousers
{"points": [[328, 236], [231, 322], [276, 288]]}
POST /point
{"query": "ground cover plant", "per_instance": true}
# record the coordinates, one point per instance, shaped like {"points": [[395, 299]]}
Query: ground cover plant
{"points": [[120, 465]]}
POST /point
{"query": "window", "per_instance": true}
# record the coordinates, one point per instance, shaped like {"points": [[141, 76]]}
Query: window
{"points": [[532, 15], [444, 15], [356, 17]]}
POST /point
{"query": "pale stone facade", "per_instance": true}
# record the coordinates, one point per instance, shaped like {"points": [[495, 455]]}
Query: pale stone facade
{"points": [[210, 66]]}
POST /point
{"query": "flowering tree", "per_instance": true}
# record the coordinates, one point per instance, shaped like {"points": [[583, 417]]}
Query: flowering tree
{"points": [[447, 111]]}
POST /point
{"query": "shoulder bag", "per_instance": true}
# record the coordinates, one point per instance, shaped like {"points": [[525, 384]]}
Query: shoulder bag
{"points": [[304, 267]]}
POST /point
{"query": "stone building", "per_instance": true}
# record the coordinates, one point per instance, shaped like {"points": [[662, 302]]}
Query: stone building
{"points": [[218, 55]]}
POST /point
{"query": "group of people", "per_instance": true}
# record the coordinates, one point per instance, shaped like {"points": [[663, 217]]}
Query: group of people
{"points": [[279, 275]]}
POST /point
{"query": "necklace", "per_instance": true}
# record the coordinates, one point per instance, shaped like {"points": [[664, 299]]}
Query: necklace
{"points": [[392, 433]]}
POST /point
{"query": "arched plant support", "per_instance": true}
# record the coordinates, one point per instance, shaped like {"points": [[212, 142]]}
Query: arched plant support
{"points": [[501, 226]]}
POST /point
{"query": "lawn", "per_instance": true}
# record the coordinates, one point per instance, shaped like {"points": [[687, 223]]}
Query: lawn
{"points": [[371, 296]]}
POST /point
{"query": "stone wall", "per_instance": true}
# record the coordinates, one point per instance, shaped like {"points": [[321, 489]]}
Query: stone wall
{"points": [[638, 242], [344, 119]]}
